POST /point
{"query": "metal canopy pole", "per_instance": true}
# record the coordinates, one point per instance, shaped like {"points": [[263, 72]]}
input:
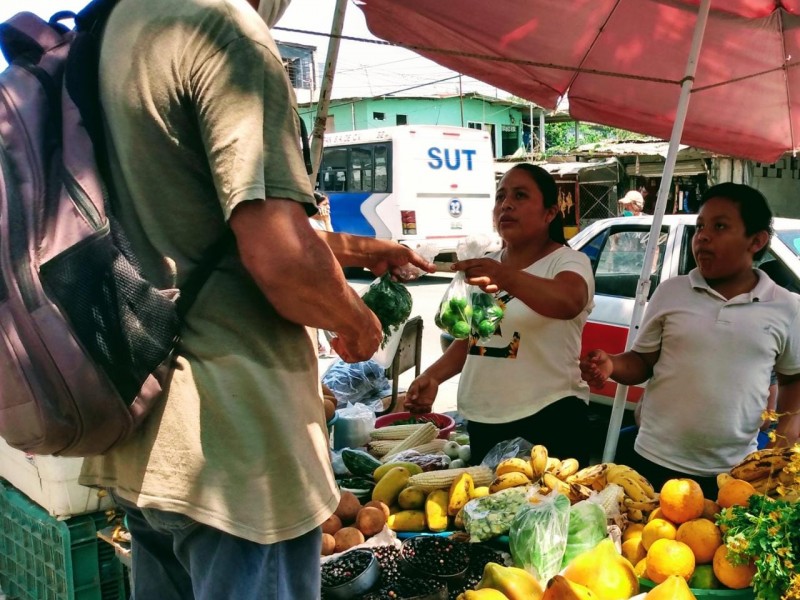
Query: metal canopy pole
{"points": [[643, 286], [318, 131]]}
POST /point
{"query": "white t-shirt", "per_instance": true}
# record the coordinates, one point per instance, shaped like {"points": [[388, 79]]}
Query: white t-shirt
{"points": [[532, 360], [702, 407]]}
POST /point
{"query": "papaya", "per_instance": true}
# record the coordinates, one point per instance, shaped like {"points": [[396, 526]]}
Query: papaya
{"points": [[390, 485], [412, 468], [436, 510], [407, 520]]}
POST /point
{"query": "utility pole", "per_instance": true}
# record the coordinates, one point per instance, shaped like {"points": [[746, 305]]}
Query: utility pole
{"points": [[542, 147], [318, 131]]}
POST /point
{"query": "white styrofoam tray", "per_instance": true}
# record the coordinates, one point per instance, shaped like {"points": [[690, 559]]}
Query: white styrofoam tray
{"points": [[51, 482]]}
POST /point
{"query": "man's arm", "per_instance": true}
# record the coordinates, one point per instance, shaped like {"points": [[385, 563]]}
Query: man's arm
{"points": [[788, 430], [374, 254], [299, 275]]}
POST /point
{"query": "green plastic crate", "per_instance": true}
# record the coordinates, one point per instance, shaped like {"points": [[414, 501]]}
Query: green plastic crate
{"points": [[42, 558]]}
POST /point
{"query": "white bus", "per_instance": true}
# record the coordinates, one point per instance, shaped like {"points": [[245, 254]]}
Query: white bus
{"points": [[411, 183]]}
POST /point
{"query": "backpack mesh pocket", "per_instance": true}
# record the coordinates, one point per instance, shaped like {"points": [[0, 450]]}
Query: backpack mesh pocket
{"points": [[125, 324]]}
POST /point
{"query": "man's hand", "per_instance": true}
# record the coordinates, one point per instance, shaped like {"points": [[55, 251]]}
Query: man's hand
{"points": [[403, 263], [596, 368], [362, 346], [421, 394]]}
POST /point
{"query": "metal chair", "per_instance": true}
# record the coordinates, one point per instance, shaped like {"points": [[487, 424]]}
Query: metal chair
{"points": [[409, 354]]}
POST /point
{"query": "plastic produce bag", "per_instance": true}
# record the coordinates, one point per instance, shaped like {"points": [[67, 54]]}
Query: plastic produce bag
{"points": [[358, 383], [492, 515], [538, 536], [514, 448], [391, 302], [466, 309], [353, 426], [428, 251], [587, 527]]}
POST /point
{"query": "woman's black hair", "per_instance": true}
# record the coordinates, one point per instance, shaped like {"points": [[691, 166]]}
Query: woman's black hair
{"points": [[547, 186], [756, 213]]}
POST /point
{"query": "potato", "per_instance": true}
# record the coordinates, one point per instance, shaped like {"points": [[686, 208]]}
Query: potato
{"points": [[348, 507], [370, 520], [346, 538], [380, 505], [331, 525], [328, 544]]}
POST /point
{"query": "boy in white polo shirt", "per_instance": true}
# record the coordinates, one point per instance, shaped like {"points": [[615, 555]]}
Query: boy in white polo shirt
{"points": [[708, 343]]}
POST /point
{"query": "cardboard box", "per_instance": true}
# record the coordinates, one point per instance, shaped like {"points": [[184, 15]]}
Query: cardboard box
{"points": [[51, 482]]}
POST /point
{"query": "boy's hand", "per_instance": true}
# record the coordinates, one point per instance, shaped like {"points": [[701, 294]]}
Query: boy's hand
{"points": [[421, 394], [596, 368]]}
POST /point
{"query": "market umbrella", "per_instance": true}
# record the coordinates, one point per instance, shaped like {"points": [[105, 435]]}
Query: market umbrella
{"points": [[715, 74]]}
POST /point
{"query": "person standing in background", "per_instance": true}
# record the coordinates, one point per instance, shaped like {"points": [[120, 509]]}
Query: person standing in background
{"points": [[227, 482], [632, 204]]}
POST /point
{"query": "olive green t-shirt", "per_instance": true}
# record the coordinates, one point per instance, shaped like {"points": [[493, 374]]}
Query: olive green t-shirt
{"points": [[201, 117]]}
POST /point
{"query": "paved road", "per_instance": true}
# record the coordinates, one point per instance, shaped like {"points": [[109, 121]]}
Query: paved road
{"points": [[427, 293]]}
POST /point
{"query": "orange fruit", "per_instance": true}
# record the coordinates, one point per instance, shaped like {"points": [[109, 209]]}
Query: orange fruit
{"points": [[669, 557], [656, 514], [710, 510], [633, 530], [641, 568], [633, 550], [735, 492], [657, 529], [681, 500], [733, 576], [702, 536]]}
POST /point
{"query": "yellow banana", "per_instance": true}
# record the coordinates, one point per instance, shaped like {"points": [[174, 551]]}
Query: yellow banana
{"points": [[508, 480], [555, 484], [552, 464], [588, 475], [568, 466], [646, 505], [762, 463], [514, 465], [636, 487], [578, 492], [635, 515], [538, 461]]}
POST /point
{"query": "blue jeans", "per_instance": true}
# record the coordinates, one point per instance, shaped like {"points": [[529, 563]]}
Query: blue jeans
{"points": [[176, 558]]}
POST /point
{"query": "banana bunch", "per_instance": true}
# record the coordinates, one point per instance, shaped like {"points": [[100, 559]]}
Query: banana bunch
{"points": [[772, 471], [640, 498]]}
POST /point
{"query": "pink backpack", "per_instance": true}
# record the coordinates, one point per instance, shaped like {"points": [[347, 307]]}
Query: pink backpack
{"points": [[86, 344]]}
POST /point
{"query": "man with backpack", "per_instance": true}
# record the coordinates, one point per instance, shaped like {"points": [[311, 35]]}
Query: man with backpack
{"points": [[226, 484]]}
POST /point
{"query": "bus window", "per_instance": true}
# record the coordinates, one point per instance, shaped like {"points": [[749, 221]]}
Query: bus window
{"points": [[333, 173], [361, 165], [382, 168]]}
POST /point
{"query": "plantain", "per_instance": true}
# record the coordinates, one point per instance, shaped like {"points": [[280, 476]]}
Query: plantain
{"points": [[568, 466], [635, 515], [538, 461], [578, 492]]}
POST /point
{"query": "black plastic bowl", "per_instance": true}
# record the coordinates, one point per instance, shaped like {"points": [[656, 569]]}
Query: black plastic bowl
{"points": [[358, 585]]}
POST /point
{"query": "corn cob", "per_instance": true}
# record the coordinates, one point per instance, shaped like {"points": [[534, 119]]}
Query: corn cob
{"points": [[423, 435], [438, 480], [435, 446], [394, 432], [379, 448]]}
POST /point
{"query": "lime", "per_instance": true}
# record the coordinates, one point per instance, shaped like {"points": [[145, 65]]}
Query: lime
{"points": [[494, 312], [486, 328], [448, 318], [438, 321], [704, 578], [477, 315], [458, 304], [460, 330], [467, 312]]}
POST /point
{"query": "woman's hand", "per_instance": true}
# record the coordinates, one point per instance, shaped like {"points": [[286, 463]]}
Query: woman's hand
{"points": [[421, 394], [486, 273], [596, 368]]}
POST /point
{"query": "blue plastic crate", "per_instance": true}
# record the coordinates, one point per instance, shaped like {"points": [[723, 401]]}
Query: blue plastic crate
{"points": [[42, 558]]}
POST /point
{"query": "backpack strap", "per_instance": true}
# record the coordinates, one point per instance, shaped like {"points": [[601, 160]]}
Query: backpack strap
{"points": [[200, 274]]}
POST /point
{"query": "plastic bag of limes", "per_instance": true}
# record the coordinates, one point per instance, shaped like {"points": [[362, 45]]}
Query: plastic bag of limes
{"points": [[467, 311]]}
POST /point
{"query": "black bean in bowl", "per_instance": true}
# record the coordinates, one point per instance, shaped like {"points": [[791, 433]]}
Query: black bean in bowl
{"points": [[435, 556], [351, 575]]}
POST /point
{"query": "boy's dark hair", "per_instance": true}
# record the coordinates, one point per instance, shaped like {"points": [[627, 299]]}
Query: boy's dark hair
{"points": [[547, 185], [756, 213]]}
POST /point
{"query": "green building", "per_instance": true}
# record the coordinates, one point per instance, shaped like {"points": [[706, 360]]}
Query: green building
{"points": [[507, 121]]}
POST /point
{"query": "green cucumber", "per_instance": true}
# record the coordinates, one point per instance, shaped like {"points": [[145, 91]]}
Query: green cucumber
{"points": [[360, 463]]}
